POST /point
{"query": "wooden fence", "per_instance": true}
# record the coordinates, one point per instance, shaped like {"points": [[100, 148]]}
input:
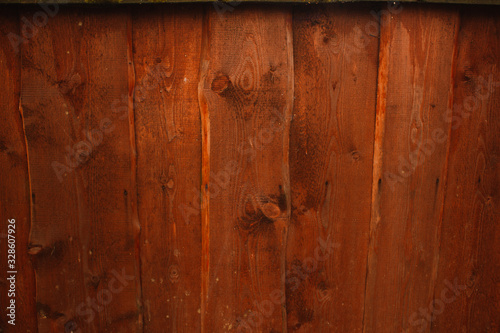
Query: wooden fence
{"points": [[250, 168]]}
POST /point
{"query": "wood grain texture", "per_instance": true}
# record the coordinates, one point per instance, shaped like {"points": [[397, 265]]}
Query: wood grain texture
{"points": [[331, 154], [246, 93], [167, 44], [416, 52], [75, 72], [469, 257], [252, 168], [14, 184]]}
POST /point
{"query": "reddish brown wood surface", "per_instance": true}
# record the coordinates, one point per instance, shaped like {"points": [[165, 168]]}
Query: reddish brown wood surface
{"points": [[416, 53], [15, 186], [469, 256], [168, 133], [75, 73], [246, 98], [331, 168], [251, 168]]}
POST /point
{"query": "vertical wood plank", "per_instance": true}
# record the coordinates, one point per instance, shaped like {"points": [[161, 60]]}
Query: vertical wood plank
{"points": [[467, 280], [15, 185], [75, 97], [331, 167], [246, 93], [167, 44], [410, 161]]}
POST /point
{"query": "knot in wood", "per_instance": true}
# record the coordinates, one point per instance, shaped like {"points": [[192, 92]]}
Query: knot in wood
{"points": [[220, 84], [271, 210]]}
